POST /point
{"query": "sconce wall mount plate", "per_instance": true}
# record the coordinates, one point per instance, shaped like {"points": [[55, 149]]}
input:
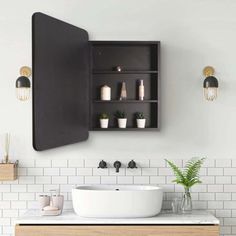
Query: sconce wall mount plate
{"points": [[25, 71], [208, 71]]}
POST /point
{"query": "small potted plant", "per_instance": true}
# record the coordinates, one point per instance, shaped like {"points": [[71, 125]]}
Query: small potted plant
{"points": [[104, 120], [122, 119], [140, 119], [187, 177]]}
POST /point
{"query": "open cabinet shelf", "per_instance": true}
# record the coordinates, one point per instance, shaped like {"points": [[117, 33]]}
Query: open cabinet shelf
{"points": [[125, 101], [126, 129], [139, 60], [125, 72]]}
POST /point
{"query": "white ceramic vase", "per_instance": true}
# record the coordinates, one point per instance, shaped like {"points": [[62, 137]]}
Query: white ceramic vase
{"points": [[122, 123], [104, 123], [141, 123]]}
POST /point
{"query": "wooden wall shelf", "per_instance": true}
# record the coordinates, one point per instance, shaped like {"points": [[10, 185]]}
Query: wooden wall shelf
{"points": [[139, 60], [8, 171]]}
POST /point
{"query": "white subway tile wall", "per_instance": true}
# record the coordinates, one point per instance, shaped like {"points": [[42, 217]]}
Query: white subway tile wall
{"points": [[217, 193]]}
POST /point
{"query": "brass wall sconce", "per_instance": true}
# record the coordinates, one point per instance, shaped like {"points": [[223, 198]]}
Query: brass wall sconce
{"points": [[23, 84], [210, 84]]}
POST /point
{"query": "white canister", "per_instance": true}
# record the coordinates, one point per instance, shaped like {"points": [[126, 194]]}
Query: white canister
{"points": [[141, 123], [58, 201], [122, 122], [105, 93], [104, 123], [44, 200]]}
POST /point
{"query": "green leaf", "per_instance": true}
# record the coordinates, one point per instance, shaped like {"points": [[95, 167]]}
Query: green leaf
{"points": [[177, 172], [192, 169], [190, 175]]}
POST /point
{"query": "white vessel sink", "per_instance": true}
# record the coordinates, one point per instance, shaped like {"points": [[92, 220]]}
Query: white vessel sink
{"points": [[117, 201]]}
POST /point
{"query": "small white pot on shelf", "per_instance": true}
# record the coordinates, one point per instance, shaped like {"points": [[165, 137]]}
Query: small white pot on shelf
{"points": [[141, 123], [104, 123], [122, 123]]}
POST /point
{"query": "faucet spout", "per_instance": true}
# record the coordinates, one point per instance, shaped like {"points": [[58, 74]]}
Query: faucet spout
{"points": [[117, 165]]}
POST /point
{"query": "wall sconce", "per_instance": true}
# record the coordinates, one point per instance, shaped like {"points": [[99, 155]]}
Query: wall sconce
{"points": [[23, 84], [210, 84]]}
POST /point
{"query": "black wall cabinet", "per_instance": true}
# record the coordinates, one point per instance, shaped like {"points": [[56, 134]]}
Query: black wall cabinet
{"points": [[68, 72]]}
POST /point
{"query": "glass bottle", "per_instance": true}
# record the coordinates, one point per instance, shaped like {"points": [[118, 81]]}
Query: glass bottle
{"points": [[175, 206], [141, 90], [186, 204]]}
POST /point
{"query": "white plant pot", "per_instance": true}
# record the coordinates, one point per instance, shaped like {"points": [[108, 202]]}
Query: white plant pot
{"points": [[104, 123], [122, 123], [141, 123]]}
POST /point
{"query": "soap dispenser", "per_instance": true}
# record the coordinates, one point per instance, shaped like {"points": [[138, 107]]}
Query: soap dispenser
{"points": [[58, 200]]}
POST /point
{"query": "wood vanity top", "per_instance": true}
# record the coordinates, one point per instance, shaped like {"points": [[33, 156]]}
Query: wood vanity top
{"points": [[165, 218]]}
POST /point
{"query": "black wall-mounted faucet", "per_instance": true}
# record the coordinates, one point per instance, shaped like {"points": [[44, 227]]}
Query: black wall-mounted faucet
{"points": [[117, 165], [132, 164], [102, 164]]}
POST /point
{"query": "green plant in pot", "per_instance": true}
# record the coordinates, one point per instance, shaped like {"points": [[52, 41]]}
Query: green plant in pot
{"points": [[122, 119], [187, 177], [140, 119], [104, 120]]}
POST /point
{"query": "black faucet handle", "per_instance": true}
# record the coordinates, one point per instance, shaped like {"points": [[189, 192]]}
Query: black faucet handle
{"points": [[117, 165], [132, 164], [102, 164]]}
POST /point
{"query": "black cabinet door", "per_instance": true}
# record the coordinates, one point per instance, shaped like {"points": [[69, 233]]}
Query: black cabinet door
{"points": [[60, 83]]}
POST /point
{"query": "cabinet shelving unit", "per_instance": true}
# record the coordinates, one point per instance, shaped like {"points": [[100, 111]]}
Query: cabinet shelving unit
{"points": [[139, 60], [68, 73]]}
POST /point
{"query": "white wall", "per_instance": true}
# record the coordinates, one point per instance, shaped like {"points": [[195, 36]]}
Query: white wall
{"points": [[193, 34]]}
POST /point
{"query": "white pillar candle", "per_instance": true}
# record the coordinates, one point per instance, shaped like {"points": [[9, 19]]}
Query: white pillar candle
{"points": [[105, 93]]}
